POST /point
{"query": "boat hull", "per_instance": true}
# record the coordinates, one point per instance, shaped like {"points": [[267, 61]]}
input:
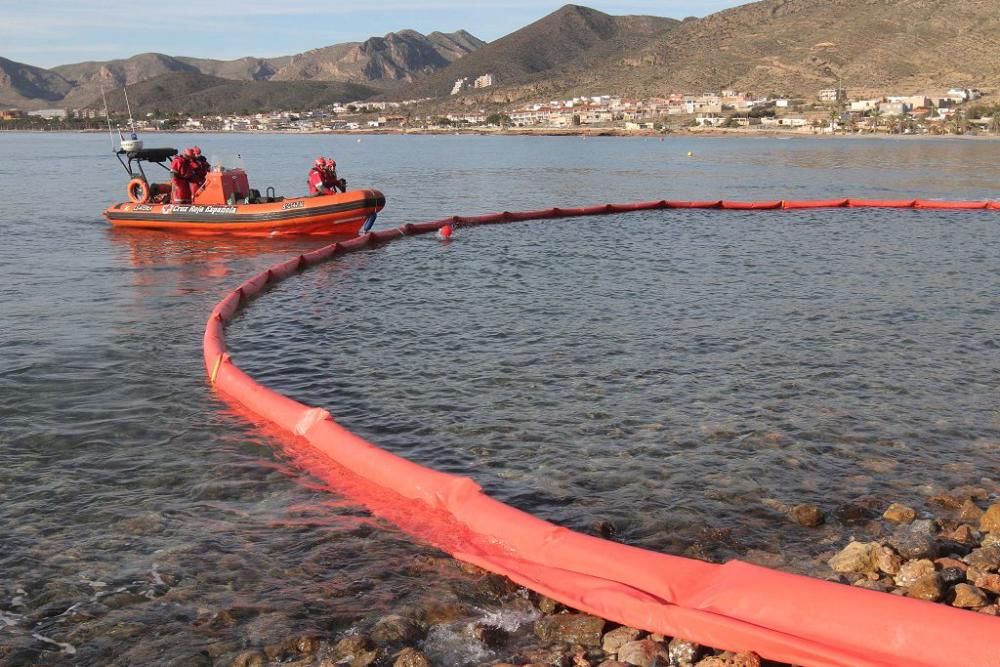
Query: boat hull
{"points": [[343, 213]]}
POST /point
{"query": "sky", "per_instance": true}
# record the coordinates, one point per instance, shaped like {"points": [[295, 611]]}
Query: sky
{"points": [[46, 33]]}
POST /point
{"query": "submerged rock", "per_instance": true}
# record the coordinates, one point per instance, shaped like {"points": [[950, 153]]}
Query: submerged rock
{"points": [[411, 657], [990, 520], [809, 516], [396, 629], [899, 514]]}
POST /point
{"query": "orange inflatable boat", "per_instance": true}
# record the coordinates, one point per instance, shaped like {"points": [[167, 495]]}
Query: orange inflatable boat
{"points": [[227, 205]]}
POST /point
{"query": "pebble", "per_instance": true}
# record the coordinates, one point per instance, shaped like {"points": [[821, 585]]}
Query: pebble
{"points": [[580, 629], [861, 557], [249, 659], [411, 657], [915, 540], [927, 587], [913, 570], [985, 559], [969, 597], [683, 653], [615, 639], [490, 635], [642, 653]]}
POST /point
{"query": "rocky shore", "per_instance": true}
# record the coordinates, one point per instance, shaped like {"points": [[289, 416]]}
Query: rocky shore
{"points": [[947, 551]]}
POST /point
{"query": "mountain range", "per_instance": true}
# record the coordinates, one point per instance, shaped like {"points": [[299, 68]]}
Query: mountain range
{"points": [[372, 66], [787, 47]]}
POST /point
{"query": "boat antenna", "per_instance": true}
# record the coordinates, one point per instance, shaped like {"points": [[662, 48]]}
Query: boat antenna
{"points": [[131, 121], [107, 116]]}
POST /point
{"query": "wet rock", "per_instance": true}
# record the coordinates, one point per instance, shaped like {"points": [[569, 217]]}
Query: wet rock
{"points": [[861, 557], [122, 599], [947, 501], [396, 629], [544, 657], [951, 576], [989, 582], [612, 663], [991, 540], [411, 657], [727, 659], [915, 540], [368, 658], [490, 635], [969, 597], [899, 514], [928, 587], [148, 523], [855, 513], [642, 653], [945, 563], [683, 653], [990, 521], [970, 511], [913, 570], [991, 610], [496, 587], [964, 534], [547, 605], [570, 629], [615, 639], [442, 612], [603, 528], [249, 659], [809, 516], [986, 559], [350, 647], [888, 561], [877, 585]]}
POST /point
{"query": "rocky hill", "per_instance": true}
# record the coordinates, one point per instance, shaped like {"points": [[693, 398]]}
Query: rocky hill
{"points": [[195, 93], [797, 47], [380, 62], [26, 87], [559, 47]]}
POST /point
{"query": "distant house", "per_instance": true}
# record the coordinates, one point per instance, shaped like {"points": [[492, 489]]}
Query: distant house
{"points": [[833, 95], [861, 106], [49, 114]]}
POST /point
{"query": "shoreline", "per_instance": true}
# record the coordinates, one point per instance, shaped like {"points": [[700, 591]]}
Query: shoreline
{"points": [[711, 133]]}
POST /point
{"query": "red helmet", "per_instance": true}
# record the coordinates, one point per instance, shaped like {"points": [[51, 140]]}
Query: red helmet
{"points": [[320, 161], [189, 152], [330, 162], [196, 150]]}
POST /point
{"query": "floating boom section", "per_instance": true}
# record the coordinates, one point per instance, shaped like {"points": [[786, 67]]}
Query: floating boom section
{"points": [[735, 606]]}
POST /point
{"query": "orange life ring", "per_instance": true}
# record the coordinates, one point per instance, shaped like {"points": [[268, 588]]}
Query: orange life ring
{"points": [[138, 191]]}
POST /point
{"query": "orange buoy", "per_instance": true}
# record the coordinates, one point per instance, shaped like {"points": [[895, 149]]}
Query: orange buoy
{"points": [[444, 233], [138, 191]]}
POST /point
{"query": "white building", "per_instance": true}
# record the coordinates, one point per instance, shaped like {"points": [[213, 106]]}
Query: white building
{"points": [[484, 81], [49, 114]]}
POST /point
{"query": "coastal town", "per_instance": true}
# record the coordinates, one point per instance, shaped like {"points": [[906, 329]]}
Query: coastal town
{"points": [[955, 111]]}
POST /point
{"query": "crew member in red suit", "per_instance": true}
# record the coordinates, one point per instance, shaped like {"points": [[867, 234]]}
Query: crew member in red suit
{"points": [[318, 178], [180, 168], [331, 181], [199, 170]]}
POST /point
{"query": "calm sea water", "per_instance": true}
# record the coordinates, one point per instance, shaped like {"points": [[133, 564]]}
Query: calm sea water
{"points": [[682, 375]]}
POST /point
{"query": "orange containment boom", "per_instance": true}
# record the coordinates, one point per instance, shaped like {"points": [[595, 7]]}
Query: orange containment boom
{"points": [[735, 606]]}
